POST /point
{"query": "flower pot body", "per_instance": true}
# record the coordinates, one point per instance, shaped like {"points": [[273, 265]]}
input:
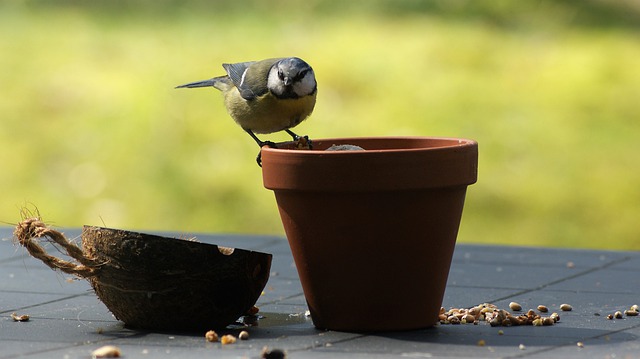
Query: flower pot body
{"points": [[373, 232]]}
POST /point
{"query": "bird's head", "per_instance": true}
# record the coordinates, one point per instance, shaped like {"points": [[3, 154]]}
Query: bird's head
{"points": [[291, 78]]}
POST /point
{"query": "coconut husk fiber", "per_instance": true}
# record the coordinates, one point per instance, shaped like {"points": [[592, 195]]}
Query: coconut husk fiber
{"points": [[153, 282]]}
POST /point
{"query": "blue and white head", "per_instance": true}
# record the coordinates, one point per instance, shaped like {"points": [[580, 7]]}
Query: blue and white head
{"points": [[291, 78]]}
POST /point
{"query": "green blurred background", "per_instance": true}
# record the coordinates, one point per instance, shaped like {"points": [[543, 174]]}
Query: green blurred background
{"points": [[92, 131]]}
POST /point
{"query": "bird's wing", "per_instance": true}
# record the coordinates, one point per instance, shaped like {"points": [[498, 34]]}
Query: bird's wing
{"points": [[237, 73], [250, 77]]}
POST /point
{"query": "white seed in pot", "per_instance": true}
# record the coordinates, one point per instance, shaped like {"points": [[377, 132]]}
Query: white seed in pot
{"points": [[345, 148]]}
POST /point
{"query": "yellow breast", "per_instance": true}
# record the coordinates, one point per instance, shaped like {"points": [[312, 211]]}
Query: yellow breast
{"points": [[268, 114]]}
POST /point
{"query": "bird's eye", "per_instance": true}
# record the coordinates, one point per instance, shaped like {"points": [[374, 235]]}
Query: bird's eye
{"points": [[280, 74], [302, 74]]}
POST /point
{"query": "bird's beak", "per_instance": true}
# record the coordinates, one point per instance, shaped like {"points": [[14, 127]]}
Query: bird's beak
{"points": [[287, 81], [203, 83]]}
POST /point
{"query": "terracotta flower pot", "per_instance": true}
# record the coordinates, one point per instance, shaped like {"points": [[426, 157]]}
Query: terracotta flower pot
{"points": [[372, 232]]}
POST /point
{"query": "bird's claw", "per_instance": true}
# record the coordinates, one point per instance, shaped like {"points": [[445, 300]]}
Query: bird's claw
{"points": [[303, 143], [300, 142], [269, 144]]}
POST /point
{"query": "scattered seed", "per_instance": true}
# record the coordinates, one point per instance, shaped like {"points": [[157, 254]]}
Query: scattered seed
{"points": [[493, 315], [635, 307], [468, 318], [514, 320], [20, 318], [500, 332], [211, 336], [244, 335], [481, 343], [580, 344], [107, 351], [522, 347], [617, 315], [565, 307], [631, 313], [571, 265], [543, 309], [610, 316], [537, 322], [227, 339], [515, 306]]}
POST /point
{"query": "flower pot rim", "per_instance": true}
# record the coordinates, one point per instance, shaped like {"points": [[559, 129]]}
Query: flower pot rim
{"points": [[388, 163], [444, 142]]}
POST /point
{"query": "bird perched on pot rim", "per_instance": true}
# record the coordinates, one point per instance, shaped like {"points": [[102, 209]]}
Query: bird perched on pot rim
{"points": [[266, 96]]}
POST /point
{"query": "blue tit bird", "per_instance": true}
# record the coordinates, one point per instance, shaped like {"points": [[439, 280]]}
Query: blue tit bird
{"points": [[266, 96]]}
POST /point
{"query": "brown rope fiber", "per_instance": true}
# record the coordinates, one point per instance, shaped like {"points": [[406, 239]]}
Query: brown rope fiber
{"points": [[30, 229]]}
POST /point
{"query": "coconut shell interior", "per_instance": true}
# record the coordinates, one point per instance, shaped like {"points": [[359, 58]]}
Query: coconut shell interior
{"points": [[159, 283]]}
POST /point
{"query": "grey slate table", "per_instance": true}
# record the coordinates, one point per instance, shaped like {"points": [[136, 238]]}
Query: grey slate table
{"points": [[68, 321]]}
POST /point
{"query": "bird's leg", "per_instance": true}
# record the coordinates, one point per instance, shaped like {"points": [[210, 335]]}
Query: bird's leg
{"points": [[261, 144], [302, 142], [292, 134]]}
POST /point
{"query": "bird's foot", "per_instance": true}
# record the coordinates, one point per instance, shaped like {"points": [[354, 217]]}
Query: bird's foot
{"points": [[269, 144], [303, 143]]}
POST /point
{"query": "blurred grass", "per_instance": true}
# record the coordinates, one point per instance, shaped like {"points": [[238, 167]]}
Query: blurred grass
{"points": [[92, 131]]}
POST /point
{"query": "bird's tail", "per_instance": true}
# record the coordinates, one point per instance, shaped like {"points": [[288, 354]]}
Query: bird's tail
{"points": [[221, 83]]}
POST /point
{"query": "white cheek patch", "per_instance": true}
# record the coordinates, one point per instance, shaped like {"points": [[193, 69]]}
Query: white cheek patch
{"points": [[306, 86], [274, 83]]}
